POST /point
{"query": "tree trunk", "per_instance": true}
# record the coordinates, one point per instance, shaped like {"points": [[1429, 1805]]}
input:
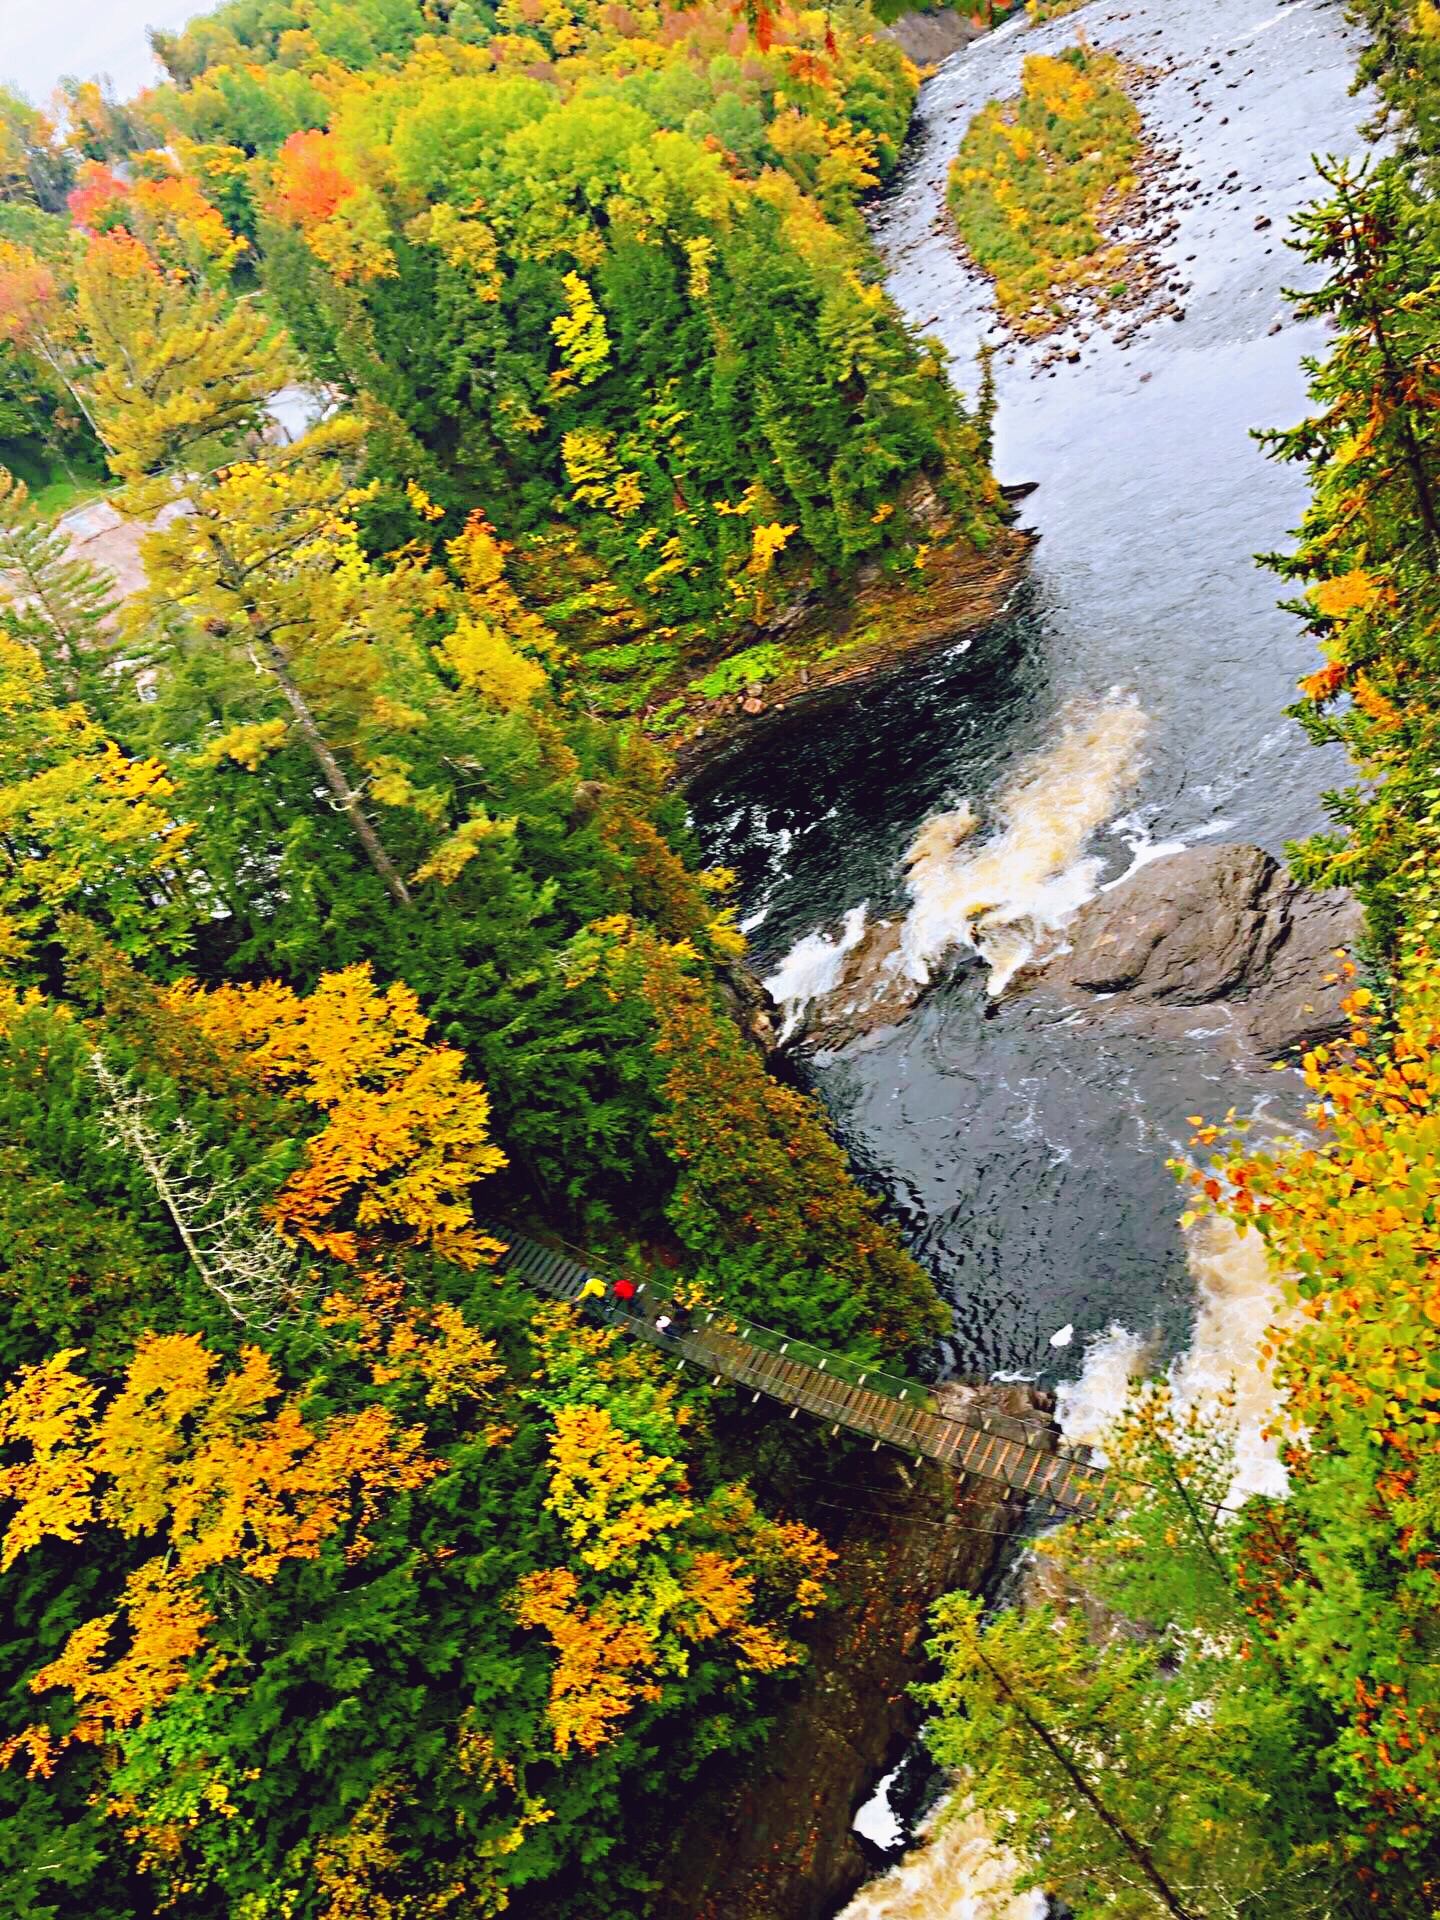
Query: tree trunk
{"points": [[1137, 1851], [348, 800], [51, 356]]}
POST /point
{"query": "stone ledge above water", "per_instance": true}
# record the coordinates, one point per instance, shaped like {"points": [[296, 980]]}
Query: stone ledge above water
{"points": [[1211, 926], [834, 651]]}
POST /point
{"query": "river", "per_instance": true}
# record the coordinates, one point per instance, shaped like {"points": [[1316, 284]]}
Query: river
{"points": [[1132, 701], [1026, 1154]]}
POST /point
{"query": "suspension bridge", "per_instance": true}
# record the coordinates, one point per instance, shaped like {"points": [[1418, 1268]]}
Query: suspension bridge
{"points": [[884, 1407]]}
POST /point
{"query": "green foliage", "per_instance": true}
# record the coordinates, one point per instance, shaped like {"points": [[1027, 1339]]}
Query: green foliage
{"points": [[764, 1198], [755, 664], [1150, 1746], [357, 754], [60, 605], [1037, 178], [1131, 1781], [661, 349], [1238, 1714], [1370, 540], [337, 1580], [1401, 58]]}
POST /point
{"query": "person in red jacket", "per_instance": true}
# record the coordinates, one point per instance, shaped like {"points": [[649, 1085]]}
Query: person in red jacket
{"points": [[623, 1293]]}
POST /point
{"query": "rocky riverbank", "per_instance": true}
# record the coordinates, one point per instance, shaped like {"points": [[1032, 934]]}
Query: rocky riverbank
{"points": [[1029, 1146], [934, 34], [827, 653]]}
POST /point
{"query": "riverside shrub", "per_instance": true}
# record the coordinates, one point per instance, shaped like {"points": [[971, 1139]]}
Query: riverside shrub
{"points": [[764, 1199]]}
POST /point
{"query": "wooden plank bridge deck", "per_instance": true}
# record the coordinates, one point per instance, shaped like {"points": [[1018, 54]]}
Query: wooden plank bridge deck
{"points": [[993, 1446]]}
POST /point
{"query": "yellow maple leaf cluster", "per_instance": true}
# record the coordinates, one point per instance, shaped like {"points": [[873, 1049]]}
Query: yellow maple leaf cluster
{"points": [[220, 1466], [406, 1133]]}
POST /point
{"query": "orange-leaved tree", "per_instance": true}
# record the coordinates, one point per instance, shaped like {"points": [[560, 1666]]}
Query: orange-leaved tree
{"points": [[1342, 1578]]}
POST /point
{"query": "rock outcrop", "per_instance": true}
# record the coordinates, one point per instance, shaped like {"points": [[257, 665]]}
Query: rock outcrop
{"points": [[872, 990], [1216, 924], [1220, 926], [933, 34], [749, 1005]]}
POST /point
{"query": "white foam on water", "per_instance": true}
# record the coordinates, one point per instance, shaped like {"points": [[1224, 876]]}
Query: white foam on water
{"points": [[877, 1821], [1143, 854], [1144, 850], [1009, 895], [1085, 1407], [811, 969], [959, 1873], [1238, 1297]]}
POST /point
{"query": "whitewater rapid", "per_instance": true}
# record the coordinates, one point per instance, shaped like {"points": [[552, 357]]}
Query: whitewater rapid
{"points": [[957, 1871], [1129, 703], [1003, 887], [1008, 894]]}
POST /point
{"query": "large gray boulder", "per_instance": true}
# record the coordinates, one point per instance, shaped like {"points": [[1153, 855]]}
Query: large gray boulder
{"points": [[1217, 923]]}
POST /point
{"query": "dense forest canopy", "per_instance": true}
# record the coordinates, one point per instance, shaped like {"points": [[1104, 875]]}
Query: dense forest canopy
{"points": [[349, 915], [599, 270]]}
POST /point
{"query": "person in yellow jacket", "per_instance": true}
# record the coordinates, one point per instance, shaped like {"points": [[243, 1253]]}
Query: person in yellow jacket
{"points": [[593, 1289]]}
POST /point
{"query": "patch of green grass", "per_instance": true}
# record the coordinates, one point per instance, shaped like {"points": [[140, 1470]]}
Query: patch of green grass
{"points": [[51, 489], [756, 665], [664, 717], [620, 678]]}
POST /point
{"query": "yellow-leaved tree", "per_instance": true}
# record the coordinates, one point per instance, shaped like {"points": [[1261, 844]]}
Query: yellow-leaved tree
{"points": [[269, 562], [80, 821], [218, 1467], [406, 1132], [653, 1574], [180, 367]]}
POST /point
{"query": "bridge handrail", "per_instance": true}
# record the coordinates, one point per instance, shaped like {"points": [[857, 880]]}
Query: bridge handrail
{"points": [[912, 1394]]}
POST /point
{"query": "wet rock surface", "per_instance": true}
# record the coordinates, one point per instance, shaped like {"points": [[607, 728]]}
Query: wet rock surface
{"points": [[873, 990], [1213, 924], [749, 1006]]}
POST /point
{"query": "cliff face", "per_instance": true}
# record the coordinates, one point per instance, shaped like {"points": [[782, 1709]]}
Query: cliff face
{"points": [[934, 34], [769, 1837]]}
